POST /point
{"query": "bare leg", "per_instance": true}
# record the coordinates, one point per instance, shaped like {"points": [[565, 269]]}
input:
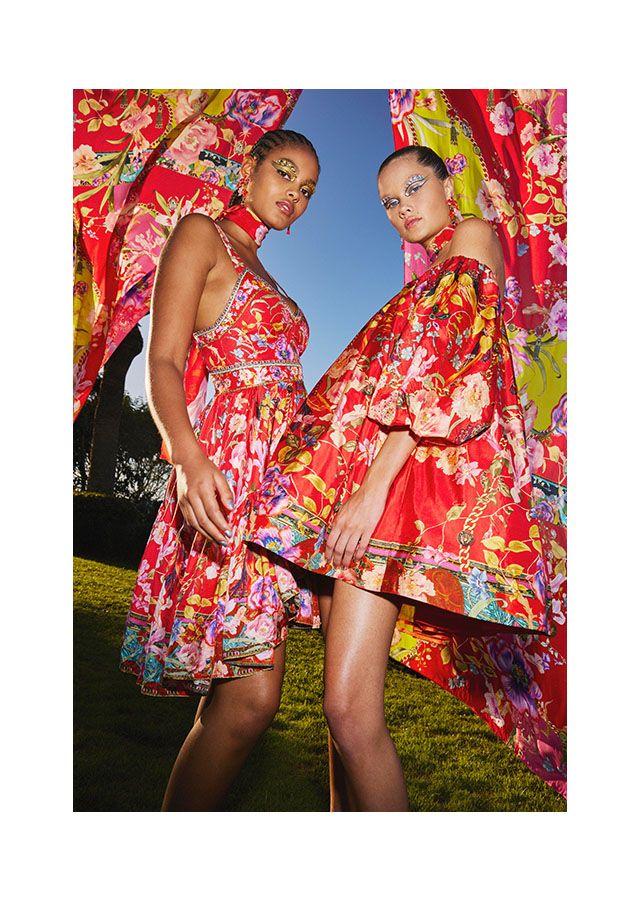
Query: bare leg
{"points": [[229, 723], [202, 705], [358, 640], [341, 798]]}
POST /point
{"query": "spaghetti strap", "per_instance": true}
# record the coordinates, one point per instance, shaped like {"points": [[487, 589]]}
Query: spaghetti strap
{"points": [[241, 268], [238, 265]]}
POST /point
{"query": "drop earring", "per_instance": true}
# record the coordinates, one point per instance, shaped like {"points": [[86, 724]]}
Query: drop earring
{"points": [[455, 215], [288, 229], [243, 188]]}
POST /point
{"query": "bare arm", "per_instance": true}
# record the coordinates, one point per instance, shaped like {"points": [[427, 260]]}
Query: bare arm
{"points": [[355, 523], [186, 261], [393, 454]]}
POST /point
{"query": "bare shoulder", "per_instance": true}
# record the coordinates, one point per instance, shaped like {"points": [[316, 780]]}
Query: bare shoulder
{"points": [[196, 223], [478, 235], [476, 239], [195, 234]]}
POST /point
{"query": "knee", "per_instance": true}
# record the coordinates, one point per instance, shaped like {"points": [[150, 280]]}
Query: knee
{"points": [[341, 716], [353, 726], [255, 713]]}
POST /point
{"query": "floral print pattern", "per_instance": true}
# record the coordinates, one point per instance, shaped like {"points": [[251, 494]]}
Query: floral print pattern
{"points": [[456, 532], [514, 146], [142, 160], [200, 611]]}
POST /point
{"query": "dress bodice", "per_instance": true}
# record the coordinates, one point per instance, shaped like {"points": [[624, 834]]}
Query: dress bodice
{"points": [[257, 325]]}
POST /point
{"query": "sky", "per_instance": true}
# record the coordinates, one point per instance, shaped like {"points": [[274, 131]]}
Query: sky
{"points": [[342, 260]]}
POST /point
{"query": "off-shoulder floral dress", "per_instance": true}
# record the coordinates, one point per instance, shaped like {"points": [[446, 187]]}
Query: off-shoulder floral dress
{"points": [[456, 531], [201, 611]]}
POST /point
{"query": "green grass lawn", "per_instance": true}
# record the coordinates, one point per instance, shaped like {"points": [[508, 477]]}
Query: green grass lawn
{"points": [[125, 743]]}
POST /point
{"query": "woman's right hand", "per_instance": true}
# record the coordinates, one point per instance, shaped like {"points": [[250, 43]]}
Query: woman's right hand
{"points": [[203, 494]]}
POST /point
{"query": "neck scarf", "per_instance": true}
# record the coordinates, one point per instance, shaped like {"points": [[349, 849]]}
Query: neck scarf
{"points": [[247, 220]]}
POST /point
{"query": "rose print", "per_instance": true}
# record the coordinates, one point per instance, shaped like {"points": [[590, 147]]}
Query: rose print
{"points": [[516, 675], [456, 164], [485, 200], [188, 146], [85, 161], [253, 108], [401, 103], [502, 118], [558, 319], [471, 398], [557, 249], [545, 159], [449, 459]]}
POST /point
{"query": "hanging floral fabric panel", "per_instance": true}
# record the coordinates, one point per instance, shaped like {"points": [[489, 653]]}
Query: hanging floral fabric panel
{"points": [[142, 159], [506, 153]]}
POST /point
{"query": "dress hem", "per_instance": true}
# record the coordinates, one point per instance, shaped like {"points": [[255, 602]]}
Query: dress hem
{"points": [[311, 562], [201, 688]]}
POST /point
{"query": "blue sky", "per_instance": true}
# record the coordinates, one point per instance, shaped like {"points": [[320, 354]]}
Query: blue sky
{"points": [[342, 260]]}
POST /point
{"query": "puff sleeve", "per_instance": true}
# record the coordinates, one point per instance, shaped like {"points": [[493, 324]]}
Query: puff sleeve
{"points": [[439, 366]]}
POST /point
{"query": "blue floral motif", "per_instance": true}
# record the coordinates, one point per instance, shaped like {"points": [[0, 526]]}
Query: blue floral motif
{"points": [[478, 588], [270, 540], [131, 648], [153, 669]]}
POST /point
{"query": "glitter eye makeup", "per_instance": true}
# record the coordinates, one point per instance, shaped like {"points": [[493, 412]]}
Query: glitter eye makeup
{"points": [[285, 167], [288, 169], [413, 183], [309, 187]]}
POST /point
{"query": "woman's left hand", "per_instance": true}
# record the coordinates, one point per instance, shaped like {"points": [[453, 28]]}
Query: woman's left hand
{"points": [[354, 524]]}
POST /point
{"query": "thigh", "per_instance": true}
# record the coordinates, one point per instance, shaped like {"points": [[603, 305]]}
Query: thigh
{"points": [[324, 587], [358, 641], [261, 688]]}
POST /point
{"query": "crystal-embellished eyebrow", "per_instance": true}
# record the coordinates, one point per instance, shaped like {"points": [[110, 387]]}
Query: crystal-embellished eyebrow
{"points": [[286, 164], [409, 183], [414, 179]]}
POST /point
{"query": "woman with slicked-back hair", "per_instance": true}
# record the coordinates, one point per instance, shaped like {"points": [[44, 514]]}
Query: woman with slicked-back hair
{"points": [[204, 619], [405, 462]]}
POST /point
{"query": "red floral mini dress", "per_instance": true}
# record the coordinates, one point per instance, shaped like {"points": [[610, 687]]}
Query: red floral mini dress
{"points": [[201, 611]]}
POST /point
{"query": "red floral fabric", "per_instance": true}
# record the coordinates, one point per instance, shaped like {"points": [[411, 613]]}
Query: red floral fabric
{"points": [[200, 611], [455, 532], [506, 153], [142, 159]]}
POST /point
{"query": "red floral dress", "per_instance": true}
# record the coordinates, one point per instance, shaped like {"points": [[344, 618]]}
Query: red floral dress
{"points": [[456, 532], [201, 611]]}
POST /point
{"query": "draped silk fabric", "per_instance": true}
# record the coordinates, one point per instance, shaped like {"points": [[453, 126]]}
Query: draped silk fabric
{"points": [[506, 153], [142, 160]]}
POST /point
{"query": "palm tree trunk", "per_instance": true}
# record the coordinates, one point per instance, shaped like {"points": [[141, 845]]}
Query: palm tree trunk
{"points": [[106, 427]]}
